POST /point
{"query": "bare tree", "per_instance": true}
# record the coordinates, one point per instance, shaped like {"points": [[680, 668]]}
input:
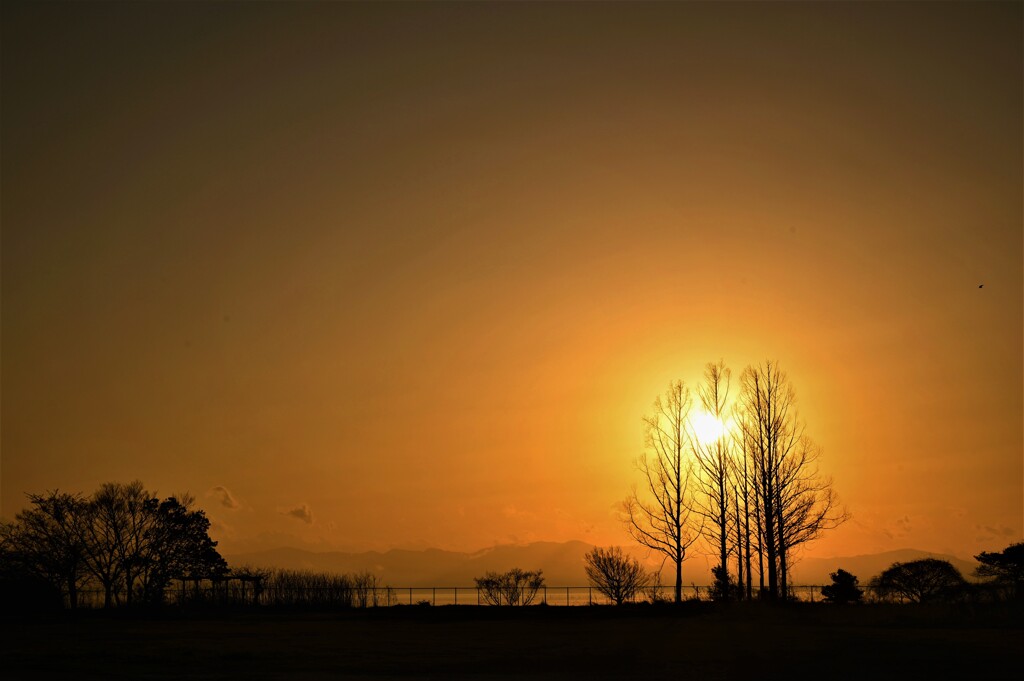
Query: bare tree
{"points": [[614, 574], [122, 518], [744, 492], [660, 518], [793, 502], [48, 540], [515, 587], [714, 466]]}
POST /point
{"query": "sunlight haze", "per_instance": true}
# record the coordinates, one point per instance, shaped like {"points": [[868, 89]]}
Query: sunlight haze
{"points": [[366, 276]]}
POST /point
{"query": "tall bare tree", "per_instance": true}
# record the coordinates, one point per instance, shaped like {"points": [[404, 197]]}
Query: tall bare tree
{"points": [[794, 503], [714, 465], [660, 517]]}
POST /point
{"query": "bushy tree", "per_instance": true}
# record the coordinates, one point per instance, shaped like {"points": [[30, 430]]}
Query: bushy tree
{"points": [[1005, 568], [177, 546], [515, 587], [843, 588], [919, 581], [614, 574]]}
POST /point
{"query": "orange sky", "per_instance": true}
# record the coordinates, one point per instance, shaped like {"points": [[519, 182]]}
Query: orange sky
{"points": [[417, 272]]}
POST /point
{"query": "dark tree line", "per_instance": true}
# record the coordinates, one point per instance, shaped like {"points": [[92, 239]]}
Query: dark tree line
{"points": [[121, 540]]}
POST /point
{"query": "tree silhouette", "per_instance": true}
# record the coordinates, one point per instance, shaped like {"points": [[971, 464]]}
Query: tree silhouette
{"points": [[793, 502], [714, 467], [47, 541], [178, 547], [614, 574], [843, 588], [120, 518], [1005, 568], [126, 541], [515, 587], [660, 518], [919, 581]]}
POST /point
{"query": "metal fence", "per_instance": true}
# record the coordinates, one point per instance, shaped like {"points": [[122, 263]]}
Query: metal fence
{"points": [[249, 594]]}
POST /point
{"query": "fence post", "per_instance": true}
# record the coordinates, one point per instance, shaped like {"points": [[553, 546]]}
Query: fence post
{"points": [[433, 595], [590, 595], [545, 595], [410, 595]]}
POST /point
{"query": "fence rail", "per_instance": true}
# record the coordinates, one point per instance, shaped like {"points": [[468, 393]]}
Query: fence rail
{"points": [[233, 593]]}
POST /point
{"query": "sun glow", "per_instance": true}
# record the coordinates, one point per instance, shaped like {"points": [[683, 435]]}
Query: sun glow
{"points": [[706, 428]]}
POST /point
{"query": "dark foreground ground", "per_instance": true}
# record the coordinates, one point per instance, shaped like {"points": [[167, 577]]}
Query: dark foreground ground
{"points": [[697, 641]]}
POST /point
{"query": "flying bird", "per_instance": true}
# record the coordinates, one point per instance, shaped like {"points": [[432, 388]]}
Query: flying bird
{"points": [[981, 286]]}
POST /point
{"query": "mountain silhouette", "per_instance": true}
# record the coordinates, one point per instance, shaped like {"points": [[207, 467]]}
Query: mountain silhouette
{"points": [[866, 566]]}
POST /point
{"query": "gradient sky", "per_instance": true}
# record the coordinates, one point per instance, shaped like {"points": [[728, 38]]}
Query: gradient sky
{"points": [[410, 275]]}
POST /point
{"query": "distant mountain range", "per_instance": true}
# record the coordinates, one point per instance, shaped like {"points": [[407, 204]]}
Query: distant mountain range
{"points": [[562, 563]]}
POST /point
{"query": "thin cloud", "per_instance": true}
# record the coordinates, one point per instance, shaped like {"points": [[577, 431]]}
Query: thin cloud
{"points": [[303, 513], [224, 495], [993, 533]]}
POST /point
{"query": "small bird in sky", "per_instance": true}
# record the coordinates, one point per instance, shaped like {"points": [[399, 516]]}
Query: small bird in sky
{"points": [[981, 286]]}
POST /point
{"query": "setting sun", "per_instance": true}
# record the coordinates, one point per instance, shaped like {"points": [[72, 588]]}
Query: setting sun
{"points": [[706, 428]]}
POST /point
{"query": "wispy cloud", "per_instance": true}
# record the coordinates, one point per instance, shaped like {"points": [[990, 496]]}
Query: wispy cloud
{"points": [[901, 527], [224, 495], [303, 513], [993, 532]]}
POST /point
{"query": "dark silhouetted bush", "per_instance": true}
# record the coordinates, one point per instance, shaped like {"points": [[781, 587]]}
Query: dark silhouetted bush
{"points": [[843, 588], [722, 587]]}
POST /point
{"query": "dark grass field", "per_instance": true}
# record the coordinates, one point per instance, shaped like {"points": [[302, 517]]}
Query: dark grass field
{"points": [[698, 641]]}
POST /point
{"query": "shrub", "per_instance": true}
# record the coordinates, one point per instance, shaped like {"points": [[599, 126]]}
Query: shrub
{"points": [[722, 587], [843, 588], [515, 587]]}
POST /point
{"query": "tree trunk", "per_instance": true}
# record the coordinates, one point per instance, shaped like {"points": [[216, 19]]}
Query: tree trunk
{"points": [[739, 546], [784, 587], [771, 548], [679, 580], [723, 536], [128, 580], [760, 542], [72, 591]]}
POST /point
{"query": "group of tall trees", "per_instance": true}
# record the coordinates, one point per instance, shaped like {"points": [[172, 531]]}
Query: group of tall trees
{"points": [[752, 491], [121, 540]]}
